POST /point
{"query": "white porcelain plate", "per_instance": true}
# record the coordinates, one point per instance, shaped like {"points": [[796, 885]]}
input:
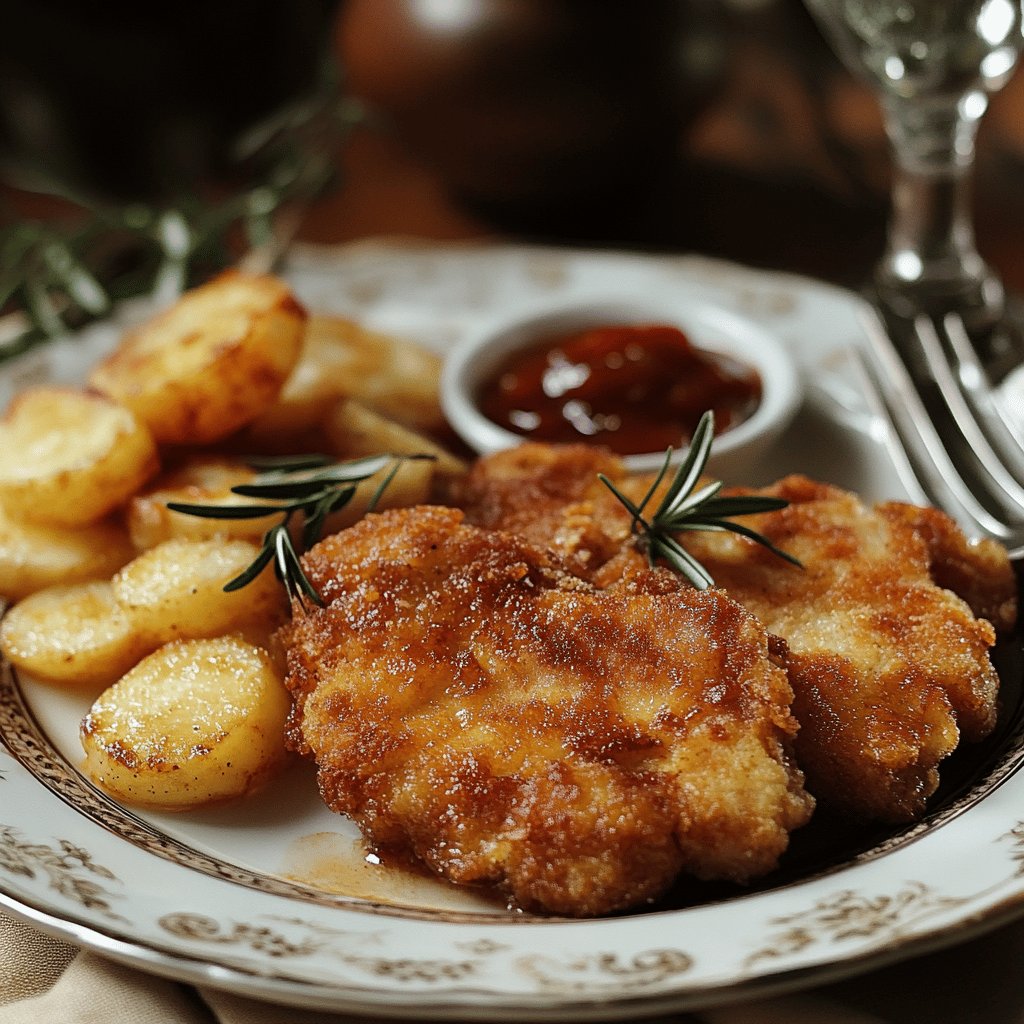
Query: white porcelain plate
{"points": [[273, 897]]}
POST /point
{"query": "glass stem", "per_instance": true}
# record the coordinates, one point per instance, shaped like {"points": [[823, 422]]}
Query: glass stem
{"points": [[931, 262]]}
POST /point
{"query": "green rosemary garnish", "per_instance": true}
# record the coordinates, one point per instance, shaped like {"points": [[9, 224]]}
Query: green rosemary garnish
{"points": [[312, 486], [683, 508]]}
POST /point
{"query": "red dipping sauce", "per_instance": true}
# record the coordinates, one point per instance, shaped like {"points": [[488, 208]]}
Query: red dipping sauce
{"points": [[632, 388]]}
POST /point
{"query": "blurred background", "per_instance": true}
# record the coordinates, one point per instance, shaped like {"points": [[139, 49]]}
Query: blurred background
{"points": [[145, 147]]}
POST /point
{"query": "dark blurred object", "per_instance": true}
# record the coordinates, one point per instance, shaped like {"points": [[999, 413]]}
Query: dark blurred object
{"points": [[540, 114], [130, 101], [169, 144]]}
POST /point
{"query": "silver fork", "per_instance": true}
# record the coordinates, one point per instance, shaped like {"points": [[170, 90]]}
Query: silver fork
{"points": [[935, 395]]}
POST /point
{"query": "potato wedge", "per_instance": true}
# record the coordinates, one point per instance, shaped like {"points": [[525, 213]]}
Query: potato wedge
{"points": [[353, 430], [209, 364], [175, 590], [36, 555], [195, 722], [341, 359], [202, 480], [70, 457], [75, 634], [411, 485]]}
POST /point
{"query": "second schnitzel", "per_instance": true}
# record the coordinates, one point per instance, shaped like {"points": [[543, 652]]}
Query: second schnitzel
{"points": [[888, 625]]}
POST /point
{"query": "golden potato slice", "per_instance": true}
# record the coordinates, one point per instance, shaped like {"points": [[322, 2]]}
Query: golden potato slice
{"points": [[411, 485], [195, 722], [176, 590], [203, 480], [341, 359], [353, 430], [75, 634], [70, 457], [37, 555], [209, 364]]}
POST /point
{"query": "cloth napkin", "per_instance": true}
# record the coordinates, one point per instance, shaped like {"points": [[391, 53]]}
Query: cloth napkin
{"points": [[44, 980]]}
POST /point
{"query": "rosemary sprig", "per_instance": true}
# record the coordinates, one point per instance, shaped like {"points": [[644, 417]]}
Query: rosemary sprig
{"points": [[310, 486], [60, 273], [684, 508]]}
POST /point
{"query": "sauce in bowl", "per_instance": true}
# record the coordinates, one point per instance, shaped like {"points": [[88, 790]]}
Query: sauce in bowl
{"points": [[633, 388]]}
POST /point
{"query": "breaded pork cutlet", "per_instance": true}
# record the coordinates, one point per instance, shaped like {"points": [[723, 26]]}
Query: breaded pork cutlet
{"points": [[888, 625], [889, 668], [470, 702]]}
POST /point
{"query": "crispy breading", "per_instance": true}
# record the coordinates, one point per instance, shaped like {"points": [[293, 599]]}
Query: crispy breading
{"points": [[550, 495], [470, 702], [889, 667]]}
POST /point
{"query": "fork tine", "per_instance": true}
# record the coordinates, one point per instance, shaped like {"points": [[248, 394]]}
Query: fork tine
{"points": [[976, 425], [1001, 428], [906, 417]]}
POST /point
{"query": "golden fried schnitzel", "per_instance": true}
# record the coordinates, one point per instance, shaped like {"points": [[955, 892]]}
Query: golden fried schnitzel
{"points": [[470, 702], [889, 669], [888, 666]]}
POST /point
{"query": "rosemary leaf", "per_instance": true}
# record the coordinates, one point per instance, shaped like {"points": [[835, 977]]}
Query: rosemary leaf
{"points": [[223, 511], [243, 579], [685, 503], [655, 484], [670, 550], [635, 510], [743, 505], [692, 466], [364, 468], [379, 492], [290, 570], [285, 488], [287, 463], [356, 469], [746, 531]]}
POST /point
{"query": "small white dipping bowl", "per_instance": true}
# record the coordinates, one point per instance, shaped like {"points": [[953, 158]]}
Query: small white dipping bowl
{"points": [[713, 328]]}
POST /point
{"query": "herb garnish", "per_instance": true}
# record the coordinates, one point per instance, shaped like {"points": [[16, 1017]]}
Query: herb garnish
{"points": [[683, 508], [314, 486]]}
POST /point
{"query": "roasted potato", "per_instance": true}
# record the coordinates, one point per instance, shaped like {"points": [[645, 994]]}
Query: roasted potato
{"points": [[341, 359], [75, 634], [211, 363], [93, 632], [198, 713], [206, 479], [38, 555], [195, 722], [176, 590], [410, 485], [70, 457], [353, 430]]}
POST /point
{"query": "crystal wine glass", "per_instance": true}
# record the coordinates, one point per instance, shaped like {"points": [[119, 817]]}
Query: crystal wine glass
{"points": [[934, 64]]}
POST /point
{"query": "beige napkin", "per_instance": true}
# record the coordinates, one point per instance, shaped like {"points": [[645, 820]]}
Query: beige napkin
{"points": [[47, 981]]}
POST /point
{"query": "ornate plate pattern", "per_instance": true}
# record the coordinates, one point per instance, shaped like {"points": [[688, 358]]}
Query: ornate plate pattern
{"points": [[254, 899]]}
